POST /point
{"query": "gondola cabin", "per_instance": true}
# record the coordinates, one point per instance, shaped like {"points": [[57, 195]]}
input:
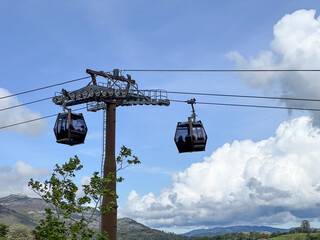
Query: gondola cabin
{"points": [[70, 128], [190, 137]]}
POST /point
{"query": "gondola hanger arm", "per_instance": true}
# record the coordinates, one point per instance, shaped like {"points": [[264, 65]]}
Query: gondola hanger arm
{"points": [[64, 107], [193, 115]]}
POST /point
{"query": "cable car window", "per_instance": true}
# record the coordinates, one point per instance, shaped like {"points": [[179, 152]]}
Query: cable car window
{"points": [[58, 125], [182, 132], [195, 133], [64, 124], [200, 133], [78, 124]]}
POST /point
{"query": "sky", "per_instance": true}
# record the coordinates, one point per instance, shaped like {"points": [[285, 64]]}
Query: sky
{"points": [[260, 166]]}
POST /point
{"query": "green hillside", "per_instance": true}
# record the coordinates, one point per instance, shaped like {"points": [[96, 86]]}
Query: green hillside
{"points": [[129, 229], [298, 236]]}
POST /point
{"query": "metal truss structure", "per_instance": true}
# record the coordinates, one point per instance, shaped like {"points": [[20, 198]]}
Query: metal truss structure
{"points": [[117, 89]]}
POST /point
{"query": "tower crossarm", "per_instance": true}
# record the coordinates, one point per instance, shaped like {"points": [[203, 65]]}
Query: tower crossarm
{"points": [[119, 89]]}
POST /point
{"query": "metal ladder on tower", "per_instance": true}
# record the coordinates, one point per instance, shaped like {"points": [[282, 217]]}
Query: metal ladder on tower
{"points": [[104, 125]]}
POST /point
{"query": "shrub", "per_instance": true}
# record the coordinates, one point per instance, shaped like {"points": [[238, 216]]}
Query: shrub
{"points": [[18, 231], [3, 230]]}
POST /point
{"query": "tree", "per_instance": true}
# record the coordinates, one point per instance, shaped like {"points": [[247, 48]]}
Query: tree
{"points": [[298, 230], [305, 225], [3, 229], [275, 234], [62, 217], [18, 231]]}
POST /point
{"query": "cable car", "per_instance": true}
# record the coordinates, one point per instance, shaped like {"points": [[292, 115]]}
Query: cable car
{"points": [[70, 128], [190, 136]]}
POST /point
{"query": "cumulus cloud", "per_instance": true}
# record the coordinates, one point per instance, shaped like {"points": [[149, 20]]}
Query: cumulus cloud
{"points": [[20, 114], [272, 181], [296, 45], [15, 180], [85, 180]]}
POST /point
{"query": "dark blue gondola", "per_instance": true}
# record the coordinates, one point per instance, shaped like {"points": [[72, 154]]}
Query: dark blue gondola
{"points": [[70, 128], [190, 136]]}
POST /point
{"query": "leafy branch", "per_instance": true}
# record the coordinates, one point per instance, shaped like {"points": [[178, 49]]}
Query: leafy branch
{"points": [[62, 215]]}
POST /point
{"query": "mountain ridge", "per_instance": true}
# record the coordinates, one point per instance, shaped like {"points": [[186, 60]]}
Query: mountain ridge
{"points": [[28, 211], [18, 208], [210, 232]]}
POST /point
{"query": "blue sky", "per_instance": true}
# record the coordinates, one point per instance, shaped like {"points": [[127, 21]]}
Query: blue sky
{"points": [[44, 43]]}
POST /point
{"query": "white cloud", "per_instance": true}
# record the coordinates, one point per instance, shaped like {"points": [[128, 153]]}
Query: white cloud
{"points": [[296, 45], [25, 170], [267, 182], [85, 180], [15, 180], [19, 114]]}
